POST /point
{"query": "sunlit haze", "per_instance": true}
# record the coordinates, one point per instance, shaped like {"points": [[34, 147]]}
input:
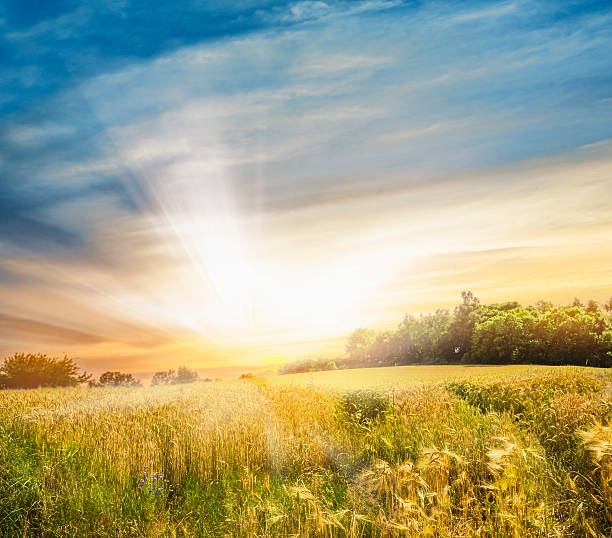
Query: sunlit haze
{"points": [[256, 183]]}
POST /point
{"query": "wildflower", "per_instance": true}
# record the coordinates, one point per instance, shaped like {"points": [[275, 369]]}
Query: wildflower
{"points": [[154, 482]]}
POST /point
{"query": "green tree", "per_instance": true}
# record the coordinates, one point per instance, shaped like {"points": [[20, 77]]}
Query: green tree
{"points": [[424, 339], [358, 345], [381, 350], [569, 335], [465, 318], [31, 370], [500, 339]]}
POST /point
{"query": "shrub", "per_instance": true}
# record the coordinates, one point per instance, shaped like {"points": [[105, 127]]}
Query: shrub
{"points": [[116, 379], [173, 377], [32, 370]]}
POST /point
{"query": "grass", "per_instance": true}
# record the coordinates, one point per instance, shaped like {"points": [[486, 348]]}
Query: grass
{"points": [[407, 451]]}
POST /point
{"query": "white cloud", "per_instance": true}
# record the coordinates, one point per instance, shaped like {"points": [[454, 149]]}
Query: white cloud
{"points": [[34, 134], [304, 171], [318, 65], [499, 10], [314, 10], [308, 9]]}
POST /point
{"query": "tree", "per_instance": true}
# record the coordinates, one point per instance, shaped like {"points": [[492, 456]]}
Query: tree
{"points": [[465, 318], [423, 339], [501, 333], [592, 307], [116, 379], [31, 370], [381, 350], [165, 377], [358, 345], [185, 375], [543, 306], [173, 377], [499, 339]]}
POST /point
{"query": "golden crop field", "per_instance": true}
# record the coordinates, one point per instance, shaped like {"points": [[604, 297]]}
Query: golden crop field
{"points": [[399, 377], [405, 451]]}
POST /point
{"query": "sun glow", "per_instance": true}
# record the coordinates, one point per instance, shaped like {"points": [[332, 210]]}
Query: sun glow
{"points": [[243, 274], [216, 201]]}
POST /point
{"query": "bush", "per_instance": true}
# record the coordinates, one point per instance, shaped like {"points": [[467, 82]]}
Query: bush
{"points": [[116, 379], [172, 377], [32, 370]]}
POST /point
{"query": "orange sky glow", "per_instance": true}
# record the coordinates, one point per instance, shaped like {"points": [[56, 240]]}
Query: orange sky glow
{"points": [[235, 196], [284, 285]]}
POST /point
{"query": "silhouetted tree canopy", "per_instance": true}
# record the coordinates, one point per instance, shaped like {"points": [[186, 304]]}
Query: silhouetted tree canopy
{"points": [[116, 379], [173, 377], [31, 370]]}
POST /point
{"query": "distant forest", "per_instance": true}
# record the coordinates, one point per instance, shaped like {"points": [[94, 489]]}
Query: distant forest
{"points": [[474, 333]]}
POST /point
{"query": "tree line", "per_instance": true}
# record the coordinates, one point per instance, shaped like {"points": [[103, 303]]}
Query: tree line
{"points": [[33, 370], [474, 333]]}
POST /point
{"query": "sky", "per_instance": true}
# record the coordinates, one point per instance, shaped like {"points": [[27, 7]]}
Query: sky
{"points": [[227, 185]]}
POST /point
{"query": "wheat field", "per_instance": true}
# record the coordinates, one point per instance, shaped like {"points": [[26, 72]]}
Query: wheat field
{"points": [[408, 451]]}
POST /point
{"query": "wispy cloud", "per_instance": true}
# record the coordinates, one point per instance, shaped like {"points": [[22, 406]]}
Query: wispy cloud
{"points": [[316, 10], [499, 10], [303, 169], [306, 10]]}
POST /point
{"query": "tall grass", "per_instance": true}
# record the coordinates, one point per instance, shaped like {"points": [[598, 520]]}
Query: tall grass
{"points": [[497, 456]]}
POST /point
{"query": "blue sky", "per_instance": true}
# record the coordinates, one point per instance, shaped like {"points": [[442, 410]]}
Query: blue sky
{"points": [[212, 172]]}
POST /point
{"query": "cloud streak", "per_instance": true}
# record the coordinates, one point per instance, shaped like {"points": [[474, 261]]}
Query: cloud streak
{"points": [[295, 171]]}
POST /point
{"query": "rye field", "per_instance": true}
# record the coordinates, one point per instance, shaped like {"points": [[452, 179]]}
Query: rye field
{"points": [[406, 451]]}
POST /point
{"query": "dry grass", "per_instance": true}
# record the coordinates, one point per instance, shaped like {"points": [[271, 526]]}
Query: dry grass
{"points": [[486, 455]]}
